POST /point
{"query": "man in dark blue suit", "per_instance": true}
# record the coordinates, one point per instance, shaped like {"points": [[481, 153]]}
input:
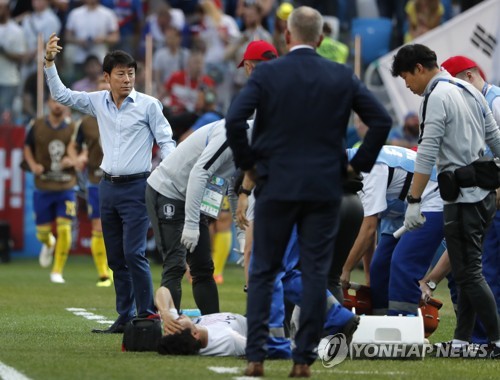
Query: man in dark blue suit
{"points": [[297, 159]]}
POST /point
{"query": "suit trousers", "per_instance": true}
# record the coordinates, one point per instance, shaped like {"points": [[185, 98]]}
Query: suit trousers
{"points": [[125, 224], [317, 224], [465, 226]]}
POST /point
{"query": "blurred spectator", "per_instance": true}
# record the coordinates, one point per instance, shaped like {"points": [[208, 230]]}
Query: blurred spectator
{"points": [[206, 108], [18, 8], [157, 23], [332, 49], [423, 15], [394, 9], [12, 51], [181, 93], [29, 98], [217, 31], [253, 31], [282, 14], [166, 60], [90, 30], [407, 135], [130, 21], [92, 68], [42, 20], [265, 6]]}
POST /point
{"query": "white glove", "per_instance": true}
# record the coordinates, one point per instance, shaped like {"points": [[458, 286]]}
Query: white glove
{"points": [[241, 242], [190, 238], [413, 217]]}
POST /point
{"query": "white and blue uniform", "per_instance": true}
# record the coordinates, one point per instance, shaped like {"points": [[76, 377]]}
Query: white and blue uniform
{"points": [[227, 333], [398, 264]]}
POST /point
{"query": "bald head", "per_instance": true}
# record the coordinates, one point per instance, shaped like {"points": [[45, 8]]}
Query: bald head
{"points": [[305, 26]]}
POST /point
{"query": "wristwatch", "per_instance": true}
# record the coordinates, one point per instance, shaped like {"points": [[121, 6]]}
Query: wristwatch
{"points": [[431, 284], [410, 199], [242, 190]]}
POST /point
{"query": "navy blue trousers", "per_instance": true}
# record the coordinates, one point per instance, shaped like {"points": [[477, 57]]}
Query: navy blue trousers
{"points": [[317, 224], [288, 285], [124, 224]]}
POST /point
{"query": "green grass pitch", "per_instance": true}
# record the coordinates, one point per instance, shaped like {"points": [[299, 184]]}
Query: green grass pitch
{"points": [[42, 340]]}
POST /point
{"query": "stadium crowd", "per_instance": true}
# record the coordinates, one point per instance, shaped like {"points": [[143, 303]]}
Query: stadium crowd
{"points": [[206, 63]]}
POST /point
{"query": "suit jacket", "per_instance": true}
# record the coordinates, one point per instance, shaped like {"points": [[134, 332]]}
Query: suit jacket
{"points": [[303, 104]]}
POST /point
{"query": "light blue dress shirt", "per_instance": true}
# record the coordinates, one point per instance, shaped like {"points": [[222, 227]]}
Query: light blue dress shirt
{"points": [[127, 134]]}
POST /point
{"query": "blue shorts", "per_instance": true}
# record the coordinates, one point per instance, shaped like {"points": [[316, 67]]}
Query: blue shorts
{"points": [[93, 209], [49, 205]]}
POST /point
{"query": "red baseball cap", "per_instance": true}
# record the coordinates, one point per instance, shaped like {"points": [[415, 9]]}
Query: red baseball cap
{"points": [[459, 63], [259, 51]]}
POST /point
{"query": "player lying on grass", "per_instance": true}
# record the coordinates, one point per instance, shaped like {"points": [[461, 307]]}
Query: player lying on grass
{"points": [[219, 334]]}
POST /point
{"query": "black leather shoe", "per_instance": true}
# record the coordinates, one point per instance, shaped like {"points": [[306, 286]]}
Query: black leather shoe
{"points": [[115, 328]]}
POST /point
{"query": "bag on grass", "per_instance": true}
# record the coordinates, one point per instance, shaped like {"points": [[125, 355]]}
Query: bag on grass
{"points": [[142, 334]]}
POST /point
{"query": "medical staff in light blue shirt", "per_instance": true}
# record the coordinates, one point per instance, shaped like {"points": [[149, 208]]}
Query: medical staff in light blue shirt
{"points": [[129, 122]]}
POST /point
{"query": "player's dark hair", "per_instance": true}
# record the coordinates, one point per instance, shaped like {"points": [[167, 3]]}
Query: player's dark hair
{"points": [[407, 58], [182, 343]]}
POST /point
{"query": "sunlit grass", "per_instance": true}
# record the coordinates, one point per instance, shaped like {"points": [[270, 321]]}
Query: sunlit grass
{"points": [[42, 340]]}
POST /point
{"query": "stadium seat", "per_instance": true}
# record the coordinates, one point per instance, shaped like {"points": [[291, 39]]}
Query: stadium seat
{"points": [[375, 36]]}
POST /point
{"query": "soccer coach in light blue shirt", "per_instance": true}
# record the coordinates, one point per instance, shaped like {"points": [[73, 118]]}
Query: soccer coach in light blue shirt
{"points": [[128, 121]]}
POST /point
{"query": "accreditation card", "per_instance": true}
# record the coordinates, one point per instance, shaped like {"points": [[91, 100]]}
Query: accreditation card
{"points": [[213, 196]]}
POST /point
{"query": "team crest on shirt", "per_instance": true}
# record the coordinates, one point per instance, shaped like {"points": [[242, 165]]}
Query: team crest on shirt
{"points": [[169, 211], [56, 151]]}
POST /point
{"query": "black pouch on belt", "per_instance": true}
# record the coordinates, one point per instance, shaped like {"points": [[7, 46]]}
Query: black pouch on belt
{"points": [[466, 176], [487, 173], [448, 186]]}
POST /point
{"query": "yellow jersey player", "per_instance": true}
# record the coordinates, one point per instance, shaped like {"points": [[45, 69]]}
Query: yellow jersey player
{"points": [[46, 154]]}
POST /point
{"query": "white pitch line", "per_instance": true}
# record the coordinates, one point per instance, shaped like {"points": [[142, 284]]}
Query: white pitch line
{"points": [[225, 369], [364, 372], [234, 370], [78, 311], [9, 373], [231, 370]]}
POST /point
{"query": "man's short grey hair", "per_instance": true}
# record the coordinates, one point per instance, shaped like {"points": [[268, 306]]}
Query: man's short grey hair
{"points": [[306, 25]]}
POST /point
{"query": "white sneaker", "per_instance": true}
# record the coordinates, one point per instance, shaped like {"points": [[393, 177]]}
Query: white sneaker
{"points": [[47, 253], [57, 278]]}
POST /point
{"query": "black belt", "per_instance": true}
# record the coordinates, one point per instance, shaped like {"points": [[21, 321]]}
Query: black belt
{"points": [[124, 178]]}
